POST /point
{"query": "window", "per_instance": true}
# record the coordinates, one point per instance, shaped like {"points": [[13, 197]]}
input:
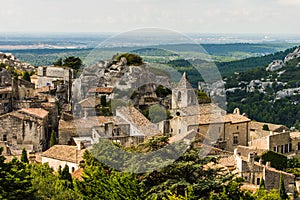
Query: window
{"points": [[219, 129], [179, 96], [275, 149], [4, 138], [237, 127], [257, 181], [73, 169], [282, 149], [290, 147], [235, 139], [299, 146], [179, 131], [286, 148], [171, 130]]}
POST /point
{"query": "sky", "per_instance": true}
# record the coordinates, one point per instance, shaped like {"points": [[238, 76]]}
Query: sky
{"points": [[197, 16]]}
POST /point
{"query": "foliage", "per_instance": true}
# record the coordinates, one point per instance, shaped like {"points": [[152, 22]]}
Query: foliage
{"points": [[72, 62], [66, 176], [203, 98], [278, 161], [48, 185], [158, 113], [59, 62], [15, 180], [53, 140], [103, 101], [132, 59], [162, 91], [266, 127], [282, 191], [24, 157], [26, 76]]}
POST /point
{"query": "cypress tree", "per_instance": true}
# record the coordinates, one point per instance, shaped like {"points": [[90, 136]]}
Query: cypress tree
{"points": [[53, 139], [282, 191], [24, 157]]}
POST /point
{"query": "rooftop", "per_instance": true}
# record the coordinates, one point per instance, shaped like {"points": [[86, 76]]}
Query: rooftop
{"points": [[103, 90], [90, 102], [65, 153], [136, 118], [37, 112]]}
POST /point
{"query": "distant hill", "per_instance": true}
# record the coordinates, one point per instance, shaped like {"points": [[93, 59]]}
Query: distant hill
{"points": [[269, 95]]}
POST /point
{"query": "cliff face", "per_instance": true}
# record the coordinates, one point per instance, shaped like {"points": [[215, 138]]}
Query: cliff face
{"points": [[124, 78]]}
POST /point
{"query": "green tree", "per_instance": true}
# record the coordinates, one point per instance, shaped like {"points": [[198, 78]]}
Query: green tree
{"points": [[278, 161], [15, 180], [158, 113], [26, 76], [282, 191], [266, 127], [47, 185], [65, 175], [59, 62], [72, 62], [24, 157], [53, 140], [103, 101]]}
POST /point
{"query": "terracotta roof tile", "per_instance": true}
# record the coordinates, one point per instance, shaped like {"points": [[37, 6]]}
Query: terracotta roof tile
{"points": [[135, 117], [90, 102], [65, 153], [104, 90], [78, 174], [38, 112]]}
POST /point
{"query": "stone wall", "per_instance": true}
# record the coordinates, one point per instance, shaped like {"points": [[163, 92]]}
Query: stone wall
{"points": [[26, 130], [53, 163], [272, 179]]}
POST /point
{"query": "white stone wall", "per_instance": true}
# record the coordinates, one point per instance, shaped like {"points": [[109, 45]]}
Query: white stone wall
{"points": [[53, 163]]}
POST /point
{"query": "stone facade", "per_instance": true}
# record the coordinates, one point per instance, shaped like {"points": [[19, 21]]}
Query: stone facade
{"points": [[184, 94], [25, 128], [61, 155], [57, 77], [253, 172]]}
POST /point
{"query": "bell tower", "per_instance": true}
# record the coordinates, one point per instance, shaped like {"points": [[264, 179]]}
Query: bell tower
{"points": [[184, 94]]}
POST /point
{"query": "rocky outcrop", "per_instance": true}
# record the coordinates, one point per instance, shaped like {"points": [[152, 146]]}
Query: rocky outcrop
{"points": [[117, 74], [9, 59], [275, 65], [291, 56]]}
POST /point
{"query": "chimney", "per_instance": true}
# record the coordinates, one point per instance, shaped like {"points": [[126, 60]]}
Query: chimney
{"points": [[268, 164], [260, 161], [79, 146], [251, 157]]}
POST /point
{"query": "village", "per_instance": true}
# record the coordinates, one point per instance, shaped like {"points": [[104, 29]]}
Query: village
{"points": [[33, 111]]}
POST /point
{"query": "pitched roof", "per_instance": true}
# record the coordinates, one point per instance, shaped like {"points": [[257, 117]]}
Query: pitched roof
{"points": [[272, 127], [37, 112], [78, 174], [295, 135], [136, 118], [90, 102], [104, 90], [65, 153], [184, 82]]}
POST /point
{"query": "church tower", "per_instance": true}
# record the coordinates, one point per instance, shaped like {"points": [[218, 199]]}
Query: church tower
{"points": [[184, 94]]}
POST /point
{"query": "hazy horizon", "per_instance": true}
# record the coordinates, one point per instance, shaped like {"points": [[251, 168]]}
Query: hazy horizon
{"points": [[188, 16]]}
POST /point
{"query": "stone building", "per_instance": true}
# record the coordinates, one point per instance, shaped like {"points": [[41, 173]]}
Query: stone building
{"points": [[184, 94], [253, 172], [56, 77], [61, 155], [278, 142], [225, 130], [28, 126], [5, 100]]}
